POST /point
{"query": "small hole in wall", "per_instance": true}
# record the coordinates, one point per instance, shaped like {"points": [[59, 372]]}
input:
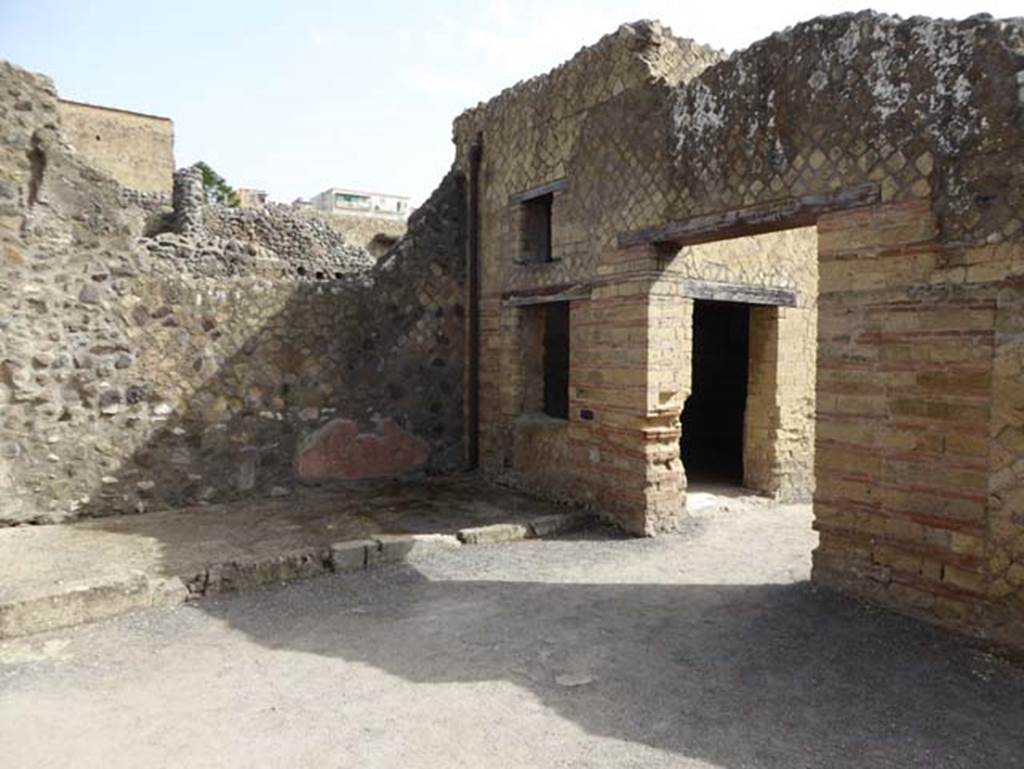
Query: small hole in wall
{"points": [[97, 137]]}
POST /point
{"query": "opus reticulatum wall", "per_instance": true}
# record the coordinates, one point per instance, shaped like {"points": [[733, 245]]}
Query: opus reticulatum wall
{"points": [[891, 150]]}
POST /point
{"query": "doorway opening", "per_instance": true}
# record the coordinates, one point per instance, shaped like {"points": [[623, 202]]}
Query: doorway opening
{"points": [[711, 443]]}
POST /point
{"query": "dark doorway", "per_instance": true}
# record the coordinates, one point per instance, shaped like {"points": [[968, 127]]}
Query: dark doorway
{"points": [[556, 360], [712, 437]]}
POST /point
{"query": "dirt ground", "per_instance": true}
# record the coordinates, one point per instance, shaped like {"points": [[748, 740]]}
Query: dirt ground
{"points": [[704, 649]]}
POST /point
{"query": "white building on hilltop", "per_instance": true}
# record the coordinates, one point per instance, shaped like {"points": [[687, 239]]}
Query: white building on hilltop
{"points": [[356, 203]]}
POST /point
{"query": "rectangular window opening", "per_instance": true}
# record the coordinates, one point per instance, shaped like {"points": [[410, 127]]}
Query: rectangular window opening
{"points": [[536, 215], [556, 360]]}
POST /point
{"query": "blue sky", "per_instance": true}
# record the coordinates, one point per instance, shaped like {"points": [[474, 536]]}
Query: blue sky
{"points": [[300, 96]]}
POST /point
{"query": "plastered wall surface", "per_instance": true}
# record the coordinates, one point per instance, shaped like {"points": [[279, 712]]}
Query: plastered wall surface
{"points": [[135, 150]]}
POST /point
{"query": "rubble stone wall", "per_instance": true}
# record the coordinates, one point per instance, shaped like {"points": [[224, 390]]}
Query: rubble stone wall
{"points": [[212, 362], [295, 236]]}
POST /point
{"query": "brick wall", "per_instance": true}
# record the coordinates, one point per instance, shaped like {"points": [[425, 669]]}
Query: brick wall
{"points": [[779, 422], [915, 453], [904, 374], [619, 449], [536, 134]]}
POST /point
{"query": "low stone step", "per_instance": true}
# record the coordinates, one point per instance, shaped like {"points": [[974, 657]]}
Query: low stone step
{"points": [[87, 601]]}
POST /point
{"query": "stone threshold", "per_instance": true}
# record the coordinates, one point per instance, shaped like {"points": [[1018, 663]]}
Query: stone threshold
{"points": [[101, 598]]}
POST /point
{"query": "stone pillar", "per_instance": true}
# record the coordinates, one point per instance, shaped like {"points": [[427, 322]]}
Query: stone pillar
{"points": [[780, 404], [669, 353], [189, 200], [1004, 553], [761, 419], [612, 442], [796, 366], [631, 339]]}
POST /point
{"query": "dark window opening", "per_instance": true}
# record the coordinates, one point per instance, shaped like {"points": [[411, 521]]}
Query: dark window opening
{"points": [[537, 229], [712, 436], [37, 167], [556, 360]]}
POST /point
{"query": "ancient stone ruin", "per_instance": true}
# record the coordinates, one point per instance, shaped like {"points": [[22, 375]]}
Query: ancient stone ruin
{"points": [[798, 268], [153, 361]]}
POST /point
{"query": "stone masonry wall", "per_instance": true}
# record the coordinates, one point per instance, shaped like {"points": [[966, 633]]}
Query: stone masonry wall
{"points": [[917, 459], [139, 373], [361, 230], [604, 115], [295, 236], [536, 133], [925, 108], [135, 150], [918, 431]]}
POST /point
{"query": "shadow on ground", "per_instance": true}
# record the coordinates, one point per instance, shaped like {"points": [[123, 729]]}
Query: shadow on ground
{"points": [[736, 675]]}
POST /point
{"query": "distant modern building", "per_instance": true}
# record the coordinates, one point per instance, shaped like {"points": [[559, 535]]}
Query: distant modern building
{"points": [[250, 198], [356, 203]]}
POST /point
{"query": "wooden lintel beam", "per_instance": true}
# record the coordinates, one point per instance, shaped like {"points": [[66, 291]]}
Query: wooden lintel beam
{"points": [[559, 185], [753, 220], [736, 292], [563, 293]]}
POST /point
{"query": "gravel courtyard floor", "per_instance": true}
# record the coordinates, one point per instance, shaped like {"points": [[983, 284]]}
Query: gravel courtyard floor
{"points": [[703, 649]]}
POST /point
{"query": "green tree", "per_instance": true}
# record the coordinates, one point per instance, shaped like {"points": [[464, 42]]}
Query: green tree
{"points": [[216, 189]]}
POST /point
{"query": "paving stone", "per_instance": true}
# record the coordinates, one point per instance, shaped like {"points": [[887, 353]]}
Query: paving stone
{"points": [[498, 532], [394, 548], [88, 600], [284, 567], [555, 524], [352, 555]]}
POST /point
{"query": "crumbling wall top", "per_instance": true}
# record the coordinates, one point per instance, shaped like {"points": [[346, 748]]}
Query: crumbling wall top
{"points": [[636, 53], [925, 108]]}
